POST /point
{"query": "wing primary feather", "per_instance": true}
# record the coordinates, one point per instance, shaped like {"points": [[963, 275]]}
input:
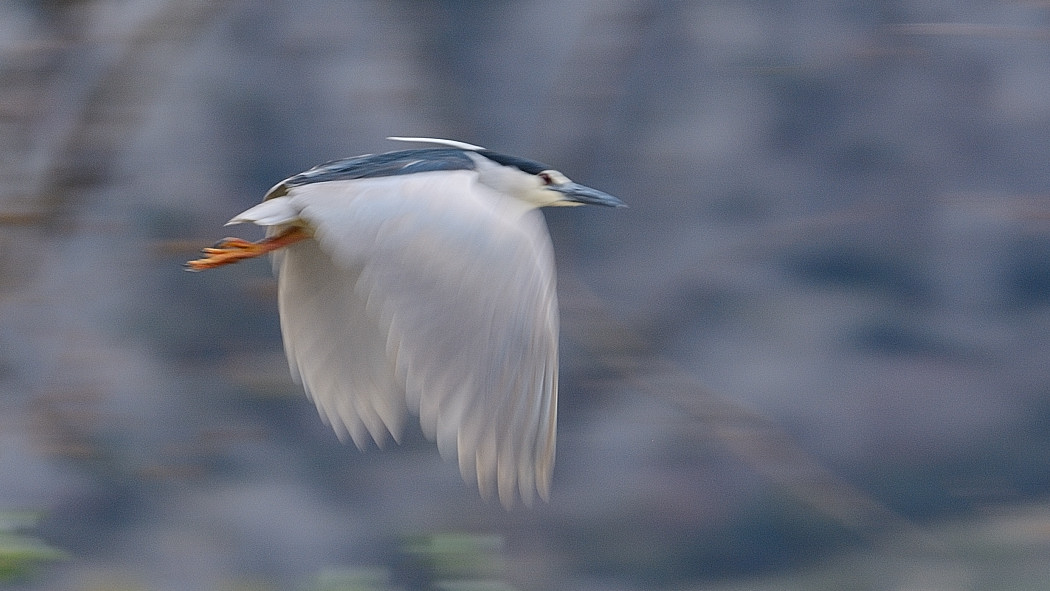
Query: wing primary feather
{"points": [[545, 444]]}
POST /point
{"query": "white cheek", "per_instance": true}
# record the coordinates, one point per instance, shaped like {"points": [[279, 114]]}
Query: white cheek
{"points": [[544, 197]]}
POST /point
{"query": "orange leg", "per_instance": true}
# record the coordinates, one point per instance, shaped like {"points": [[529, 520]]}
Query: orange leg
{"points": [[230, 250]]}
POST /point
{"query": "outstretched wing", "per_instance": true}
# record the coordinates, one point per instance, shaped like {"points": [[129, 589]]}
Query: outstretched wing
{"points": [[428, 294]]}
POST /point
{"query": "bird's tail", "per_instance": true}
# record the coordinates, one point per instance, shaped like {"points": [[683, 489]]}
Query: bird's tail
{"points": [[272, 212]]}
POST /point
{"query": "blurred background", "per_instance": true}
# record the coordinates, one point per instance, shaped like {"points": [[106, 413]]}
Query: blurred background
{"points": [[813, 354]]}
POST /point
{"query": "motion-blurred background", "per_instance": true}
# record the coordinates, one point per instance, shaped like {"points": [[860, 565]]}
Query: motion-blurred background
{"points": [[813, 354]]}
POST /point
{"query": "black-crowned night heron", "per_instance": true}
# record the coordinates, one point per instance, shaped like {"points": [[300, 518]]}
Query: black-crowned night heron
{"points": [[422, 281]]}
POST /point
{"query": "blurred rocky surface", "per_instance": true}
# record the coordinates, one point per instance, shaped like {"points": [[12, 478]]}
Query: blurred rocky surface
{"points": [[822, 321]]}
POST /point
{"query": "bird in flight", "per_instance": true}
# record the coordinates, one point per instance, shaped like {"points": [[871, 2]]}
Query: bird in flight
{"points": [[421, 282]]}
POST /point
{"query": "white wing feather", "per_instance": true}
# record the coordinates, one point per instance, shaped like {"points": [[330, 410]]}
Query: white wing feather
{"points": [[429, 294]]}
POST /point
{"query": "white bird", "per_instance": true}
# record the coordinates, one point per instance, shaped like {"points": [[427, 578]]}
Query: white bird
{"points": [[421, 282]]}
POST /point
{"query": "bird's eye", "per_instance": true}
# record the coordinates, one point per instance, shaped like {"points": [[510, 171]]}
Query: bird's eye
{"points": [[546, 177]]}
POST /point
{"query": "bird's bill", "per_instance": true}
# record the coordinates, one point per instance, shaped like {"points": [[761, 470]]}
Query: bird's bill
{"points": [[577, 194]]}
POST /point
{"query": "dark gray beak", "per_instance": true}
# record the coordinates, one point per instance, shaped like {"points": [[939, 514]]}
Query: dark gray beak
{"points": [[577, 193]]}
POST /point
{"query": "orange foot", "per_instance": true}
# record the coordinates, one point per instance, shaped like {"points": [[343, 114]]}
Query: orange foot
{"points": [[230, 250]]}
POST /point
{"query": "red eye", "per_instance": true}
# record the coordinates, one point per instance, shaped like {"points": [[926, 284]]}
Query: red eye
{"points": [[546, 178]]}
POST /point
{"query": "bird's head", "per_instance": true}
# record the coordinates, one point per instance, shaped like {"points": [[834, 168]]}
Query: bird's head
{"points": [[527, 180], [535, 183]]}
